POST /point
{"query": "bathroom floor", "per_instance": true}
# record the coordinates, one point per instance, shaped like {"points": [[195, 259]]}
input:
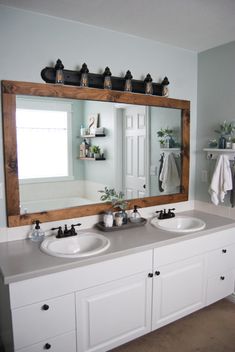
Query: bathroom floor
{"points": [[211, 329]]}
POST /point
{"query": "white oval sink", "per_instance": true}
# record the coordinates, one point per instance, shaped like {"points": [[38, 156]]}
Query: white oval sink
{"points": [[82, 245], [180, 224]]}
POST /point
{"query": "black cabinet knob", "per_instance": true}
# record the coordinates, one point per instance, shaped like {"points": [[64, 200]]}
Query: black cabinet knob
{"points": [[157, 273], [222, 277], [45, 307], [224, 250], [150, 274], [47, 346]]}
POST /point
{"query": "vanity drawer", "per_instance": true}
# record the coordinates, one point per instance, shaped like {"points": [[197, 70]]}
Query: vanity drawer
{"points": [[62, 343], [37, 322], [220, 286], [222, 259]]}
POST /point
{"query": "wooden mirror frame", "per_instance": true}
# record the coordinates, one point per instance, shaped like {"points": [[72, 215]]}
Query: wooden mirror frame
{"points": [[10, 89]]}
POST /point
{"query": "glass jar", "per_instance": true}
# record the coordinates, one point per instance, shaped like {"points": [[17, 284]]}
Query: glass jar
{"points": [[222, 142], [124, 216], [118, 219], [229, 142], [108, 219]]}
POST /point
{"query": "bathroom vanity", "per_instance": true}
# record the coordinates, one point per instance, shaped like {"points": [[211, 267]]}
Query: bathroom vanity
{"points": [[146, 279]]}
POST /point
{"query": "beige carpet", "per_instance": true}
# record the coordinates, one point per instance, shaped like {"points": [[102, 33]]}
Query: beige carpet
{"points": [[211, 329]]}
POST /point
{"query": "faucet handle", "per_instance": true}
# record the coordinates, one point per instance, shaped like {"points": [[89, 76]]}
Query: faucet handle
{"points": [[160, 214], [78, 224], [59, 233], [170, 212]]}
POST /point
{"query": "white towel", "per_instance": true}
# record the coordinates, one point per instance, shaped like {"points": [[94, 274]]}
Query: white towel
{"points": [[169, 174], [221, 180]]}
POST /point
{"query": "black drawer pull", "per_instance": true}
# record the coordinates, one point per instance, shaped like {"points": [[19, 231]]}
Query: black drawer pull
{"points": [[222, 277], [47, 346], [150, 274], [45, 307], [157, 273], [224, 250]]}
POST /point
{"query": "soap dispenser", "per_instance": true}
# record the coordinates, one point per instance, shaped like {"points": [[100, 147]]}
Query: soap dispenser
{"points": [[135, 215], [37, 234]]}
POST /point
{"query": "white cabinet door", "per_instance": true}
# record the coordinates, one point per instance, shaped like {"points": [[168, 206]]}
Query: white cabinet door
{"points": [[111, 314], [178, 289]]}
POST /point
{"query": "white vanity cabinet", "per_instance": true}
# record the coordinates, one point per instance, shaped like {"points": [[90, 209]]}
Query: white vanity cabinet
{"points": [[95, 307]]}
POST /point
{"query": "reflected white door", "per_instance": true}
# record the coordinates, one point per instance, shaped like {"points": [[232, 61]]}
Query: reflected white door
{"points": [[135, 152]]}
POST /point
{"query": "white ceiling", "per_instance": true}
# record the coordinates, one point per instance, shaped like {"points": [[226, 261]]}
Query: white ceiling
{"points": [[191, 24]]}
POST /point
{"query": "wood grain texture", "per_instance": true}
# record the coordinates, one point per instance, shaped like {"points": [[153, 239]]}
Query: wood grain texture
{"points": [[12, 88], [10, 154]]}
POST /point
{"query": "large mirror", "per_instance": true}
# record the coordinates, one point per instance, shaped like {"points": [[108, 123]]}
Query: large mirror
{"points": [[63, 144]]}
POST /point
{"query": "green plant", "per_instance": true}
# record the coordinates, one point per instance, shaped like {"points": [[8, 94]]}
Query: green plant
{"points": [[226, 128], [164, 132], [116, 198], [95, 149], [164, 135], [233, 140]]}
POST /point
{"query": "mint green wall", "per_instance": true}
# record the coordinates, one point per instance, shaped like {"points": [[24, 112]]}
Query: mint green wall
{"points": [[101, 171], [30, 41], [216, 103], [78, 114]]}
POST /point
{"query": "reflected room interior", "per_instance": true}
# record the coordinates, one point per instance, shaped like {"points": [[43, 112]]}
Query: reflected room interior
{"points": [[137, 142]]}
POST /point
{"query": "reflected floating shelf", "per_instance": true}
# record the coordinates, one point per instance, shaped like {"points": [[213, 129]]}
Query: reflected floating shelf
{"points": [[170, 149], [92, 159], [92, 136]]}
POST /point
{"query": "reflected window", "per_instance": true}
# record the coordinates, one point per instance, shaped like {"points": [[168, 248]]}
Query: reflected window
{"points": [[44, 141]]}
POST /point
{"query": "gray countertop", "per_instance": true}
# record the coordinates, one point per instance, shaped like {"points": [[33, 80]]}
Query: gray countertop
{"points": [[22, 259]]}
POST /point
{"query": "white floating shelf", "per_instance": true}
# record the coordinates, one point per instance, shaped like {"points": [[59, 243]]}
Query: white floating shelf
{"points": [[213, 153]]}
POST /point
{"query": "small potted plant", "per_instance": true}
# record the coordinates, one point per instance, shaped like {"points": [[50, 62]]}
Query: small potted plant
{"points": [[117, 200], [225, 130], [95, 149]]}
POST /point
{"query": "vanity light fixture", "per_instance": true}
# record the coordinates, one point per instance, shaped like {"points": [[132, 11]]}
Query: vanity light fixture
{"points": [[107, 78], [128, 85], [148, 84], [59, 75], [104, 80], [84, 76]]}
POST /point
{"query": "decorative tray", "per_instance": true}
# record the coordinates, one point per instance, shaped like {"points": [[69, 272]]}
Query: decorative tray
{"points": [[129, 225]]}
